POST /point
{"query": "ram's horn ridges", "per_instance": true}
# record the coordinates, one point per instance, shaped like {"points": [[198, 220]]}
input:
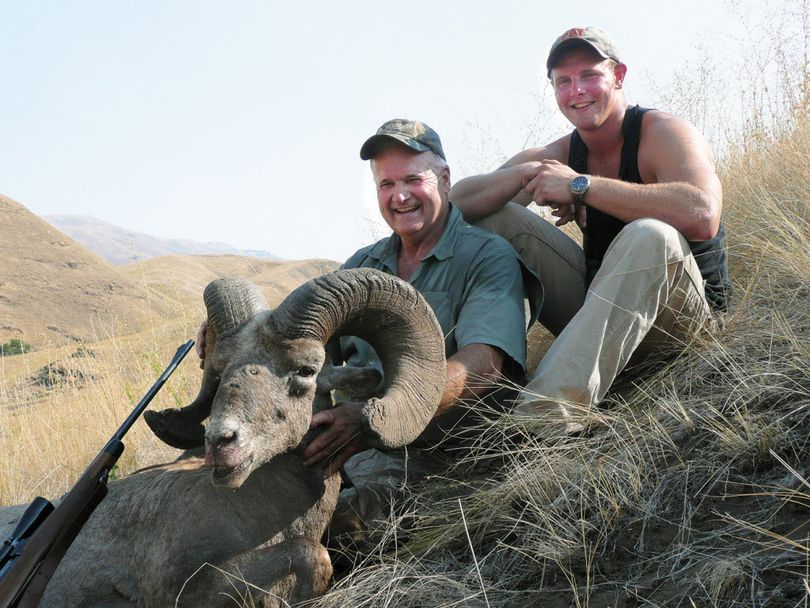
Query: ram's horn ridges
{"points": [[396, 320]]}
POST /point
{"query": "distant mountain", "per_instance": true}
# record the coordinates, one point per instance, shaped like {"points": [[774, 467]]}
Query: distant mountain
{"points": [[121, 246]]}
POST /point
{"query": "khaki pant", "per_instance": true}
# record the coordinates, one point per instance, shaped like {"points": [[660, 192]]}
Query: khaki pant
{"points": [[647, 296]]}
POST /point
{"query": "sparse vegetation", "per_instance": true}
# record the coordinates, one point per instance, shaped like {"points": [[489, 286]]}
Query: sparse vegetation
{"points": [[15, 346]]}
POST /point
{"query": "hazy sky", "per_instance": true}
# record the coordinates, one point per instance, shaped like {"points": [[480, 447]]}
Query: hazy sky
{"points": [[241, 121]]}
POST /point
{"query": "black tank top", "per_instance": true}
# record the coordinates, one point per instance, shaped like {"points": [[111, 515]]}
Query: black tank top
{"points": [[601, 228]]}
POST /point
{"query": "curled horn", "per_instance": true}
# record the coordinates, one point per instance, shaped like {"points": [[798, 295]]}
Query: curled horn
{"points": [[229, 303], [396, 320]]}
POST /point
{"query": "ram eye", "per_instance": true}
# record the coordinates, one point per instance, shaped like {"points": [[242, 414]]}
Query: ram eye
{"points": [[307, 371]]}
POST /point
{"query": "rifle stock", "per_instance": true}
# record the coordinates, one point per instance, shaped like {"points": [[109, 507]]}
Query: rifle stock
{"points": [[24, 582]]}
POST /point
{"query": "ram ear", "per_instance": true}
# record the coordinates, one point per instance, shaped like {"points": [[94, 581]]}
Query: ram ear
{"points": [[357, 383]]}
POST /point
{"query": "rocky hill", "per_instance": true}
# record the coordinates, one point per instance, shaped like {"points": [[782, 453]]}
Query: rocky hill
{"points": [[121, 246]]}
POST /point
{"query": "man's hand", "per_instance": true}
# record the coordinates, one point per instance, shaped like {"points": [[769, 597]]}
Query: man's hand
{"points": [[201, 333], [549, 186], [340, 438], [568, 213]]}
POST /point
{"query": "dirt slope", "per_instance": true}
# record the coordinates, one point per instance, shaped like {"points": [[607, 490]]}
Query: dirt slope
{"points": [[53, 289]]}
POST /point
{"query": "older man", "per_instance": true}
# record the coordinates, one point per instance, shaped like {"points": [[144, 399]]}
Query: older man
{"points": [[473, 282], [642, 187]]}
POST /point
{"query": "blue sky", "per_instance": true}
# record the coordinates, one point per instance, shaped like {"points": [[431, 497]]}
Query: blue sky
{"points": [[241, 121]]}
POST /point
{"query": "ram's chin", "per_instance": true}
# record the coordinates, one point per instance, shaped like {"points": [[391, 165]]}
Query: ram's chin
{"points": [[232, 477]]}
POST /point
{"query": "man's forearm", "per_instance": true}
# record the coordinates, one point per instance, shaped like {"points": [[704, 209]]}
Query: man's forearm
{"points": [[480, 195], [471, 373], [695, 213]]}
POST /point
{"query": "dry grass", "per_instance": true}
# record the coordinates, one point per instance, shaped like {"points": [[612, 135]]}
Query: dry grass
{"points": [[61, 406]]}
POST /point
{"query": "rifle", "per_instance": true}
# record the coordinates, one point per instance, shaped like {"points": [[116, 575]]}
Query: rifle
{"points": [[30, 557]]}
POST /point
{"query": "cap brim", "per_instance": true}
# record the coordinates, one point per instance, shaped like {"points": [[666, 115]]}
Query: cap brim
{"points": [[568, 44], [375, 141]]}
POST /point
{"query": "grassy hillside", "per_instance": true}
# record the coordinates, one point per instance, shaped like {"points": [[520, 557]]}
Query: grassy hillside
{"points": [[182, 278], [59, 406], [52, 289]]}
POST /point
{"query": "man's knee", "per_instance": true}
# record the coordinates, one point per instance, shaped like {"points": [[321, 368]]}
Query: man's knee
{"points": [[651, 235], [507, 222]]}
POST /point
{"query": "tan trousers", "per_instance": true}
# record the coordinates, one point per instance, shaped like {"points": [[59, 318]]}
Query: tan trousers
{"points": [[647, 296]]}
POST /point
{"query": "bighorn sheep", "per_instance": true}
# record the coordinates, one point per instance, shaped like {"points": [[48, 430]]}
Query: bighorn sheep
{"points": [[263, 516]]}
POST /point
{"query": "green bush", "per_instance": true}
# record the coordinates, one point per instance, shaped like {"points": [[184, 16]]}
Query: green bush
{"points": [[15, 346]]}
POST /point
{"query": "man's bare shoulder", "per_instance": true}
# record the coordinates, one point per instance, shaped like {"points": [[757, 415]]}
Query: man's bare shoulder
{"points": [[669, 142], [662, 127], [556, 150]]}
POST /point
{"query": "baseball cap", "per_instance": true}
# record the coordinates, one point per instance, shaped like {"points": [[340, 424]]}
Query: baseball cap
{"points": [[413, 133], [582, 36]]}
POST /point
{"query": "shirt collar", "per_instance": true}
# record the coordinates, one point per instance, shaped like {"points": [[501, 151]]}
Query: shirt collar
{"points": [[447, 241]]}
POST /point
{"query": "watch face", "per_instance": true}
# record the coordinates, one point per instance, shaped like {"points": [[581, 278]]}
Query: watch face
{"points": [[579, 185]]}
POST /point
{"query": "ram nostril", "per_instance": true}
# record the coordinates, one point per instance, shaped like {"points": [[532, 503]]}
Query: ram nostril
{"points": [[226, 439]]}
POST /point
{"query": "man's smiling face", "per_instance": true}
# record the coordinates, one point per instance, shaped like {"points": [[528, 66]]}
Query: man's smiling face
{"points": [[586, 87], [411, 195]]}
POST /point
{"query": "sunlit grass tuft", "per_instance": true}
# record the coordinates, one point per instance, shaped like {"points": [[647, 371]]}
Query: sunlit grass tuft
{"points": [[62, 404]]}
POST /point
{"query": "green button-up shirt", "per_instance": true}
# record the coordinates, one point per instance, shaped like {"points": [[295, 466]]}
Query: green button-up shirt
{"points": [[473, 282]]}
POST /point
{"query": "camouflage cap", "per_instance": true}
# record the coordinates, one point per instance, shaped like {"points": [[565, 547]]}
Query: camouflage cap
{"points": [[582, 36], [414, 134]]}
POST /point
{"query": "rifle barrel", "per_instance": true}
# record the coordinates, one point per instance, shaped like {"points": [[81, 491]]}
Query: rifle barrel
{"points": [[182, 351]]}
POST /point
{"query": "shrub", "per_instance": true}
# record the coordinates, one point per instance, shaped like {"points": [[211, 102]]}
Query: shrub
{"points": [[15, 346]]}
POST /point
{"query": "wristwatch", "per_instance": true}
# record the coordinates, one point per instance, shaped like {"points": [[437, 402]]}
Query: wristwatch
{"points": [[579, 186]]}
